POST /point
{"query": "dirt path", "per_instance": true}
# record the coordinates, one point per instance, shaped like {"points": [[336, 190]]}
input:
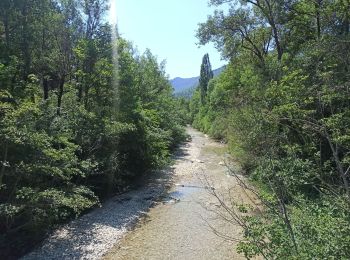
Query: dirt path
{"points": [[178, 227]]}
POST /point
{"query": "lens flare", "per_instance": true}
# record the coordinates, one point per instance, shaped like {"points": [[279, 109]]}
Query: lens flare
{"points": [[114, 27], [113, 12]]}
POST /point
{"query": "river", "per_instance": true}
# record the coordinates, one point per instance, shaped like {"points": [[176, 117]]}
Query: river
{"points": [[183, 224]]}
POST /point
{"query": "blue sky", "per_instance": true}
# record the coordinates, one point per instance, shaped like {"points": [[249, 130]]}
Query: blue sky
{"points": [[167, 28]]}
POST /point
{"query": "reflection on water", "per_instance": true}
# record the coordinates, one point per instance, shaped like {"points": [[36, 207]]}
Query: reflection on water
{"points": [[179, 194]]}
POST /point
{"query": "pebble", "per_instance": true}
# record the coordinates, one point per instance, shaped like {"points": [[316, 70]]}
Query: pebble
{"points": [[95, 233]]}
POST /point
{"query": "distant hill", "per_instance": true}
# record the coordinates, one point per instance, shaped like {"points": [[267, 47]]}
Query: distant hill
{"points": [[219, 70], [187, 84], [181, 84]]}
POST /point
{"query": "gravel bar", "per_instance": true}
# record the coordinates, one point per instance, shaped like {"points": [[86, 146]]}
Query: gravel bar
{"points": [[93, 234]]}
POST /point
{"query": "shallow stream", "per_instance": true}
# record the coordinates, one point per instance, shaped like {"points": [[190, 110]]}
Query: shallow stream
{"points": [[178, 226]]}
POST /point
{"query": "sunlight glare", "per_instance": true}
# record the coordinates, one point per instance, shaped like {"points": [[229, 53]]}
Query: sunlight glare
{"points": [[113, 12]]}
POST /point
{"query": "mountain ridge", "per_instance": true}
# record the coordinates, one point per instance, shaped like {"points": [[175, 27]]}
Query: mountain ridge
{"points": [[180, 84]]}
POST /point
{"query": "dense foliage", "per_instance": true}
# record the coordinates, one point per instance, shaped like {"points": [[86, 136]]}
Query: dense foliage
{"points": [[283, 105], [76, 124]]}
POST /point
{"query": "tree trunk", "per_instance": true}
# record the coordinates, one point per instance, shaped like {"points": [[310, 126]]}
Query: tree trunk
{"points": [[60, 94], [2, 172], [25, 41], [318, 18], [346, 22], [80, 93], [45, 88], [277, 41], [7, 32], [339, 165], [86, 97], [275, 33]]}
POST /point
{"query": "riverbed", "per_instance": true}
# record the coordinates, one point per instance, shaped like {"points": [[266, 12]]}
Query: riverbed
{"points": [[173, 216], [185, 224]]}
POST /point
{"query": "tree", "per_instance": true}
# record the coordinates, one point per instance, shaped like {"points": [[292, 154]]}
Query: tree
{"points": [[68, 138], [269, 12], [283, 105], [206, 74]]}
